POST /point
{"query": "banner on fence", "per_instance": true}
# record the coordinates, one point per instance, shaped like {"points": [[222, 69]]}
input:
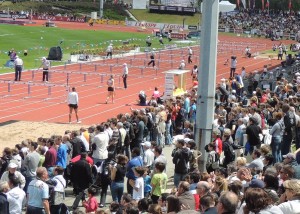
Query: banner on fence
{"points": [[16, 16], [156, 25], [108, 22], [59, 18]]}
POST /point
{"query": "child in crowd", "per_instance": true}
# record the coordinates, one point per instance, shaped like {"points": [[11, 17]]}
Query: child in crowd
{"points": [[158, 182], [147, 183], [138, 184], [91, 205]]}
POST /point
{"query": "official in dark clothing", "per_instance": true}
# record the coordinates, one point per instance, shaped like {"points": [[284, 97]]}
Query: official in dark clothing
{"points": [[253, 131], [4, 205], [78, 145], [81, 177]]}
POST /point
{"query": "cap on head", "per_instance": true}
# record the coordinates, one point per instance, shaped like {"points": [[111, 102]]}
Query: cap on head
{"points": [[12, 165], [256, 183], [146, 144]]}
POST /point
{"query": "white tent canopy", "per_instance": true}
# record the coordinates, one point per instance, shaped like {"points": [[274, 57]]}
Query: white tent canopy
{"points": [[224, 6]]}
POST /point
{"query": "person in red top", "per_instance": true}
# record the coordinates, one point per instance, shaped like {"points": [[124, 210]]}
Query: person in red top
{"points": [[91, 205], [50, 157], [77, 158], [216, 135], [264, 97]]}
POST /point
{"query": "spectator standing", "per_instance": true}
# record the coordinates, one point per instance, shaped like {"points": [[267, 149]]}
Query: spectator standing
{"points": [[118, 172], [62, 152], [148, 156], [38, 193], [289, 121], [31, 163], [253, 131], [50, 157], [125, 75], [16, 197], [180, 159], [138, 183], [46, 65], [277, 133], [158, 181], [81, 177], [136, 161], [99, 145], [77, 144], [18, 68]]}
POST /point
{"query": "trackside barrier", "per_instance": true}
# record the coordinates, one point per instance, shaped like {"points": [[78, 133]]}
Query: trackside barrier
{"points": [[118, 66], [85, 74], [29, 85]]}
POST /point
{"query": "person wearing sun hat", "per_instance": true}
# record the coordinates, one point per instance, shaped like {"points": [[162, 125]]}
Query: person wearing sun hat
{"points": [[148, 156], [12, 171], [46, 65]]}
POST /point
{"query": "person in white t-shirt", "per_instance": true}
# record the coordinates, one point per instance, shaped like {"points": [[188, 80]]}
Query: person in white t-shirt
{"points": [[73, 104], [109, 51], [138, 184]]}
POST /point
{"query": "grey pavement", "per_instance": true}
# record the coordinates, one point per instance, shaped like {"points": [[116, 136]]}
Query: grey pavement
{"points": [[170, 172]]}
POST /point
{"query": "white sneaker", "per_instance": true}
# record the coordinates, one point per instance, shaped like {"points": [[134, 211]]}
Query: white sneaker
{"points": [[78, 121]]}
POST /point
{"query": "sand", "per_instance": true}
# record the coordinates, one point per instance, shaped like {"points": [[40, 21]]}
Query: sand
{"points": [[16, 132]]}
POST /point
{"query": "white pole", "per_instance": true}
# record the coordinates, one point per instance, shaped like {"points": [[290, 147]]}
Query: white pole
{"points": [[207, 77]]}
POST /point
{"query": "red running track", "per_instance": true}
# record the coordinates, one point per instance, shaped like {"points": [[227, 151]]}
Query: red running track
{"points": [[17, 105]]}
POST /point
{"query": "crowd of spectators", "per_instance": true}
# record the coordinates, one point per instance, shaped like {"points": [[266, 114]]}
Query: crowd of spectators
{"points": [[262, 23], [132, 146]]}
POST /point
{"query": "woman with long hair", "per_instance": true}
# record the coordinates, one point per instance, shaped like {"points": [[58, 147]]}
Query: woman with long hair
{"points": [[118, 172], [110, 89]]}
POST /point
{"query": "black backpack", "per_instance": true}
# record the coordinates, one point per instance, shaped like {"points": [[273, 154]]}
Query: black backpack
{"points": [[150, 123], [230, 153]]}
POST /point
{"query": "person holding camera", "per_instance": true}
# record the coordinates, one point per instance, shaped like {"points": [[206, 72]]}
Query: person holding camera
{"points": [[99, 145]]}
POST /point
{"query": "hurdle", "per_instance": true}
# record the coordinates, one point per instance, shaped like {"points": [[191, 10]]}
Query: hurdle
{"points": [[85, 74], [112, 67], [29, 85]]}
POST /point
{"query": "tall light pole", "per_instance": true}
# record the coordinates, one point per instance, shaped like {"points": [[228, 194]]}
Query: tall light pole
{"points": [[101, 9], [207, 76]]}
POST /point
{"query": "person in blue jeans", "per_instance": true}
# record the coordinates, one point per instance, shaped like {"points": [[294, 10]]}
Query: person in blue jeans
{"points": [[118, 172], [277, 132], [180, 159]]}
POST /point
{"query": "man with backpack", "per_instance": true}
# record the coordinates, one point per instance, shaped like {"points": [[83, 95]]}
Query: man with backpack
{"points": [[181, 157]]}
